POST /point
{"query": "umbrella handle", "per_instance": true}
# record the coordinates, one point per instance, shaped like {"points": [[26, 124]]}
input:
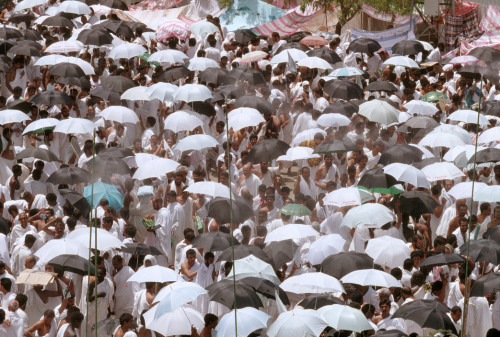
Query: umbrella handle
{"points": [[187, 316]]}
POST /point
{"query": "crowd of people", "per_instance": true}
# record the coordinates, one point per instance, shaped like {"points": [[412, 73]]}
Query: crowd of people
{"points": [[297, 103]]}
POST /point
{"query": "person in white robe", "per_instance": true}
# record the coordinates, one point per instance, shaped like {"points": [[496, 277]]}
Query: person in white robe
{"points": [[204, 278], [143, 300], [124, 292], [478, 316], [41, 298]]}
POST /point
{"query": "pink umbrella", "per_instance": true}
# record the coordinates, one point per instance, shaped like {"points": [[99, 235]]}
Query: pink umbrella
{"points": [[172, 28]]}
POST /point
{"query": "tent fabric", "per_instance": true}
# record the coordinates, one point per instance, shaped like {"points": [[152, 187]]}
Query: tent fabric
{"points": [[466, 25], [288, 24], [386, 17], [491, 20], [387, 38], [248, 14]]}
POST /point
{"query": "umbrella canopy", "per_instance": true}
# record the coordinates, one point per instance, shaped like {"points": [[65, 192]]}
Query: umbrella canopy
{"points": [[155, 274], [379, 111], [392, 258], [70, 175], [267, 150], [343, 317], [442, 260], [192, 93], [73, 263], [119, 114], [172, 28], [201, 63], [216, 76], [77, 200], [266, 288], [178, 322], [469, 117], [401, 61], [105, 239], [343, 89], [247, 320], [225, 211], [137, 248], [209, 188], [307, 283], [482, 250], [155, 168], [493, 234], [297, 323], [169, 57], [442, 139], [381, 86], [119, 84], [39, 153], [421, 108], [489, 194], [442, 171], [77, 8], [335, 146], [58, 21], [252, 266], [427, 314], [175, 295], [345, 108], [12, 116], [126, 51], [487, 156], [489, 136], [196, 142], [203, 27], [464, 190], [283, 57], [51, 97], [281, 252], [295, 210], [162, 91], [326, 54], [371, 277], [323, 247], [376, 180], [258, 103], [136, 94], [316, 301], [223, 292], [75, 126], [182, 121], [242, 251], [244, 117], [26, 50], [408, 47], [408, 174], [253, 56], [214, 241], [107, 166], [291, 231], [298, 153], [343, 197], [421, 122], [364, 46], [243, 36], [417, 203], [314, 41], [346, 72], [333, 120], [54, 248], [341, 264], [103, 191], [292, 45], [487, 284], [433, 96], [369, 215], [94, 37], [314, 62]]}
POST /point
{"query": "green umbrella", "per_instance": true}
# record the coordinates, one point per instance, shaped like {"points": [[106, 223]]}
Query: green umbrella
{"points": [[145, 57], [433, 97], [295, 209], [389, 190]]}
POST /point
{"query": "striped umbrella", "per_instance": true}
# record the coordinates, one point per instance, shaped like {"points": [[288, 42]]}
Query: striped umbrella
{"points": [[63, 47], [253, 56], [314, 41], [172, 28], [464, 59], [346, 72]]}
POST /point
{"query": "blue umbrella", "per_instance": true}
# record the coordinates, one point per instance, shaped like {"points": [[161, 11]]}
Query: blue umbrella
{"points": [[103, 191]]}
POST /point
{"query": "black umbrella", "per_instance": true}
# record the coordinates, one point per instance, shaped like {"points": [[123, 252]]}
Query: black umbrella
{"points": [[58, 21], [213, 241], [347, 108], [326, 54], [292, 45], [51, 98], [21, 17], [227, 92], [119, 84], [117, 152], [377, 181], [489, 71], [25, 50], [493, 234], [174, 73], [296, 37], [417, 203], [343, 89], [22, 106], [7, 33], [30, 34], [482, 250], [39, 153], [427, 314], [487, 284], [116, 26], [425, 162], [203, 108], [95, 37], [490, 155], [118, 4], [137, 248], [5, 46], [343, 263], [250, 75], [73, 263], [390, 333], [364, 46], [267, 150], [220, 209], [80, 82], [216, 76], [442, 259], [486, 54], [242, 251], [223, 292], [77, 200], [408, 47], [255, 102], [316, 301], [243, 36], [381, 86], [266, 288], [66, 69], [421, 122], [491, 108], [335, 146], [4, 226], [70, 175], [106, 94], [281, 252], [105, 166], [401, 153]]}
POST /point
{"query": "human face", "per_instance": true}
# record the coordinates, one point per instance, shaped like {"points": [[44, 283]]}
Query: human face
{"points": [[247, 170], [456, 315], [59, 230], [191, 259], [117, 265], [328, 161], [23, 219], [101, 274], [462, 211], [306, 173], [28, 264], [385, 309], [157, 204], [463, 226], [107, 225]]}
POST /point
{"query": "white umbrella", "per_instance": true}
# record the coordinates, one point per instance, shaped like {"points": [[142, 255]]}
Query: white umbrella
{"points": [[295, 54], [307, 135], [182, 121], [210, 188], [105, 239], [155, 274], [408, 174], [201, 63], [73, 7], [417, 107], [402, 61], [388, 251], [469, 117], [314, 62], [27, 4], [460, 155], [312, 283], [155, 168], [192, 93], [64, 47], [126, 51], [297, 323], [379, 111], [176, 295], [343, 197], [345, 72], [203, 27], [75, 126], [457, 131], [291, 231], [173, 287], [140, 159], [427, 153], [253, 56], [119, 114], [323, 247], [168, 57], [441, 139], [371, 277], [489, 136], [298, 153], [136, 94], [162, 91], [252, 266], [49, 60], [178, 322], [370, 215], [488, 194], [196, 142], [244, 117], [333, 120], [247, 321], [54, 248], [343, 317], [40, 125], [464, 190], [463, 59], [442, 171], [13, 116], [427, 45], [366, 196]]}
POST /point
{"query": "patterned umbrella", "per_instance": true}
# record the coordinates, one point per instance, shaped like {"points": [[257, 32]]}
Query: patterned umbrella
{"points": [[172, 28], [314, 41], [253, 56]]}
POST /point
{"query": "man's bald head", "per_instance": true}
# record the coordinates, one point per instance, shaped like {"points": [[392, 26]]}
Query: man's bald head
{"points": [[13, 306]]}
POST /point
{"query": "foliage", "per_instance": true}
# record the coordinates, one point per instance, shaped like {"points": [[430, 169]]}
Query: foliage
{"points": [[401, 7]]}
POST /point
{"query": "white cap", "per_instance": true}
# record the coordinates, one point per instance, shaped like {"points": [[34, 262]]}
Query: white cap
{"points": [[448, 67], [305, 83]]}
